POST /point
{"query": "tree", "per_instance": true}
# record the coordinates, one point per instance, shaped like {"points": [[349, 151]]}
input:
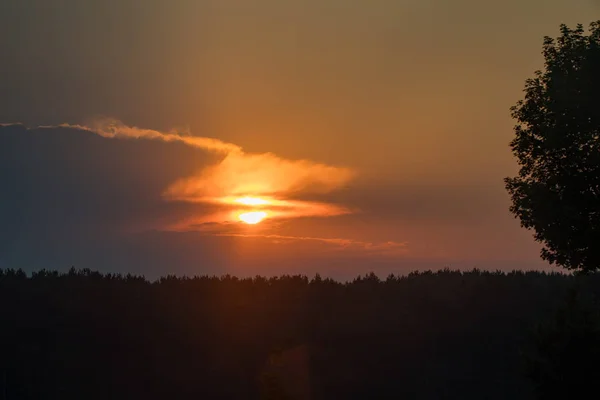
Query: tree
{"points": [[557, 144], [563, 362]]}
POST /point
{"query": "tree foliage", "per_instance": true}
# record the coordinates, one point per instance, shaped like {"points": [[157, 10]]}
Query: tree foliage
{"points": [[563, 362], [557, 144], [428, 335]]}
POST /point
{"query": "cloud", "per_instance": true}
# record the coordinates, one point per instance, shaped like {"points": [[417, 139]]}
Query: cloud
{"points": [[53, 205], [388, 248], [259, 174], [237, 174], [228, 212], [238, 229], [113, 128]]}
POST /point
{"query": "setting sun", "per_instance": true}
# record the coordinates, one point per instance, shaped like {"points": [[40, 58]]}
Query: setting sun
{"points": [[253, 217]]}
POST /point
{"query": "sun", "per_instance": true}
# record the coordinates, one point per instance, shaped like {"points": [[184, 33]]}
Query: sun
{"points": [[252, 217]]}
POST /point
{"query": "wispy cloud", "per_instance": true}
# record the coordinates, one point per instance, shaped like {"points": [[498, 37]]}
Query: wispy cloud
{"points": [[389, 247], [241, 181], [228, 214], [112, 128], [238, 174]]}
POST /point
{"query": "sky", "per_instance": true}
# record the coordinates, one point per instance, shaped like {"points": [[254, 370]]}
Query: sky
{"points": [[136, 135]]}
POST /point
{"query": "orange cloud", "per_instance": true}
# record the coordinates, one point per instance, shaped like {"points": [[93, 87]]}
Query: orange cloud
{"points": [[230, 210], [383, 248], [240, 174], [260, 182]]}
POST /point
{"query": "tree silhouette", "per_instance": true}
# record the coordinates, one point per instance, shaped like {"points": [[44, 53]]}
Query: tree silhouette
{"points": [[427, 335], [557, 144], [564, 360]]}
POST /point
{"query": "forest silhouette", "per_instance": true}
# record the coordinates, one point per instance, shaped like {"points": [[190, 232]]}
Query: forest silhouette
{"points": [[428, 335]]}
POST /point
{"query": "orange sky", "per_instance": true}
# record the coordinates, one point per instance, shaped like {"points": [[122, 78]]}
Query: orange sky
{"points": [[381, 127]]}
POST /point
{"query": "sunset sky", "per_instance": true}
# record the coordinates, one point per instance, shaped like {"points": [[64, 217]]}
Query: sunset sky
{"points": [[354, 136]]}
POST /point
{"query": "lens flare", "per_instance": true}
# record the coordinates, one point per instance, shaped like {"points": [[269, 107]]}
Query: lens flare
{"points": [[253, 217]]}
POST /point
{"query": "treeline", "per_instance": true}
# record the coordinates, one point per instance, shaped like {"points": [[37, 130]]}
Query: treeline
{"points": [[427, 335]]}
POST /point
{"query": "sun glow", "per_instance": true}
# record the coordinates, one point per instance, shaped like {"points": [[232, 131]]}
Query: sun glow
{"points": [[253, 217], [252, 201]]}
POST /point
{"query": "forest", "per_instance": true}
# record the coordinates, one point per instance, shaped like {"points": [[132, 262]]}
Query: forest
{"points": [[427, 335]]}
